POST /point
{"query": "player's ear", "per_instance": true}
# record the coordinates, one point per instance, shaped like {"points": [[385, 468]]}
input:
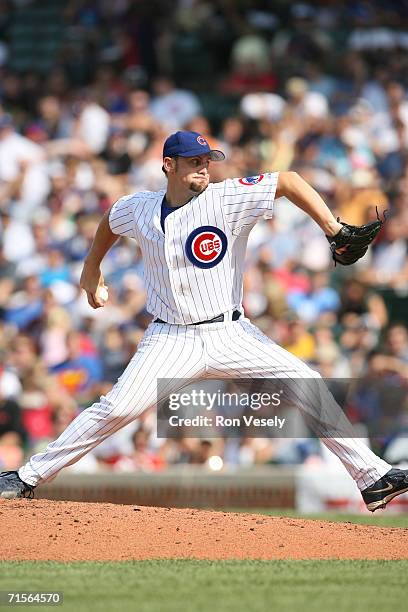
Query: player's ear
{"points": [[169, 164]]}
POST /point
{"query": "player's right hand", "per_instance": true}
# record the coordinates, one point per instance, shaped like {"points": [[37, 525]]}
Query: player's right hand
{"points": [[91, 280]]}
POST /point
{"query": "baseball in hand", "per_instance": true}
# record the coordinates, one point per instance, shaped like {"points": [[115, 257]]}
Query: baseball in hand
{"points": [[102, 293]]}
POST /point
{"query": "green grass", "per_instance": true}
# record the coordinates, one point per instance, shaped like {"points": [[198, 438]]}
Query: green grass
{"points": [[222, 586], [382, 519], [218, 586]]}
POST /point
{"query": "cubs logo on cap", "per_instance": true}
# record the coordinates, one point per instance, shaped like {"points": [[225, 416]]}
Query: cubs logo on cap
{"points": [[206, 246], [251, 180]]}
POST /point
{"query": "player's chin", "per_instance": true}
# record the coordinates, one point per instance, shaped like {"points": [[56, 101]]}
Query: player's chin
{"points": [[197, 186]]}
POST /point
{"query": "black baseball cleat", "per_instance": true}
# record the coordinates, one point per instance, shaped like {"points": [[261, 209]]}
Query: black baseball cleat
{"points": [[393, 483], [11, 486]]}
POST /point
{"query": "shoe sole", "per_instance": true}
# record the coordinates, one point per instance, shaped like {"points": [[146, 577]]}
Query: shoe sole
{"points": [[373, 506], [9, 495]]}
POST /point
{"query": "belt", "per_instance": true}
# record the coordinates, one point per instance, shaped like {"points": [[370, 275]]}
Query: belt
{"points": [[219, 319]]}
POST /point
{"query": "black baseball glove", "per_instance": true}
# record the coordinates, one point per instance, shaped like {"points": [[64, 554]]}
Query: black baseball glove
{"points": [[354, 239]]}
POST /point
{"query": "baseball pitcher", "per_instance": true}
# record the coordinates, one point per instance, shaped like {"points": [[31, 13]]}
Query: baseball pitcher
{"points": [[193, 238]]}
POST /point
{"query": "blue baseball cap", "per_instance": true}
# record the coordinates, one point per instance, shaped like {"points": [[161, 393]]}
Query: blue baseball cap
{"points": [[189, 144]]}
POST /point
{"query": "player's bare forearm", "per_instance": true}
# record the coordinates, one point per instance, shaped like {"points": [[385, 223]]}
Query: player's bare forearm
{"points": [[297, 190], [91, 278], [103, 241]]}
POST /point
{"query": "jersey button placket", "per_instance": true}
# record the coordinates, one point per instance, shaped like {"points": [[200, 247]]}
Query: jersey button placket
{"points": [[169, 250]]}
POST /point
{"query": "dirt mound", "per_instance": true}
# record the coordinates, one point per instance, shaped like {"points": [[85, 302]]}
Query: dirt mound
{"points": [[68, 531]]}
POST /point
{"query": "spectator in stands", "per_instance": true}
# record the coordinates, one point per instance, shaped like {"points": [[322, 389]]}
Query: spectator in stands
{"points": [[82, 368], [389, 265], [319, 299], [299, 340], [396, 341], [143, 458], [361, 196], [22, 168], [10, 386], [12, 433], [251, 70], [173, 107], [357, 298], [304, 103]]}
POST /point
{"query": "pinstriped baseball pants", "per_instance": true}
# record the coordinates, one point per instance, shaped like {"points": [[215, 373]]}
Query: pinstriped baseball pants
{"points": [[235, 349]]}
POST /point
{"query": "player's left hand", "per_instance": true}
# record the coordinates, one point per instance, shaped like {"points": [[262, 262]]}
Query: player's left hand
{"points": [[352, 241]]}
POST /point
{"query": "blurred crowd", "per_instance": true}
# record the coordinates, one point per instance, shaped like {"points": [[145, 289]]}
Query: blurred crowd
{"points": [[88, 92]]}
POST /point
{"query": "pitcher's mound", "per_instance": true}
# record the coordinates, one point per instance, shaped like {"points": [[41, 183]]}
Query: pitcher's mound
{"points": [[72, 531]]}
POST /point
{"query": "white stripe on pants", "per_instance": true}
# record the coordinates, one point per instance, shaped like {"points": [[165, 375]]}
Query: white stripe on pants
{"points": [[229, 350]]}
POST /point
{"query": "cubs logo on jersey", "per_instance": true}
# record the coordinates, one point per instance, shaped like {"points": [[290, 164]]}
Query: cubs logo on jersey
{"points": [[206, 246], [251, 180]]}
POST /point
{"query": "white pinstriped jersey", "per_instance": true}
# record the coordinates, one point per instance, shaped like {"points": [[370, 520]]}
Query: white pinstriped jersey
{"points": [[194, 270]]}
